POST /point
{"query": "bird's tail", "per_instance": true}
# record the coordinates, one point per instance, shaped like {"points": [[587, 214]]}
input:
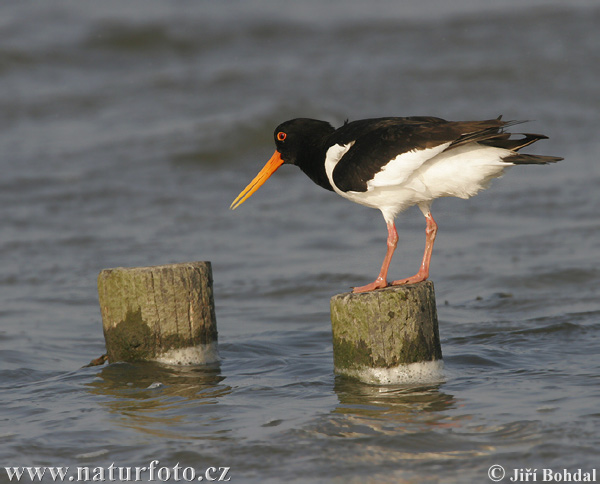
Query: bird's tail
{"points": [[503, 140], [492, 133], [522, 159]]}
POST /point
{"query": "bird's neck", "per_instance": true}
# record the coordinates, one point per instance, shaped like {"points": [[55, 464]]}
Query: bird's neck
{"points": [[312, 162]]}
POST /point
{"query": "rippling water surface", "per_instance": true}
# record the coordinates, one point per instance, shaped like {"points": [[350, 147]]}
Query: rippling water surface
{"points": [[128, 128]]}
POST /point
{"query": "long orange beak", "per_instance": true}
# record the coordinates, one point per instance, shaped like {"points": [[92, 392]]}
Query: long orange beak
{"points": [[264, 174]]}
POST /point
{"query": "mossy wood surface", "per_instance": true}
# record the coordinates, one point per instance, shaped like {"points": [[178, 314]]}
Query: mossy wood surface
{"points": [[149, 310], [385, 328]]}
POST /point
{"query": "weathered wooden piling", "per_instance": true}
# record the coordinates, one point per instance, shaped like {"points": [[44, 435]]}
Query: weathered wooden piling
{"points": [[387, 336], [164, 313]]}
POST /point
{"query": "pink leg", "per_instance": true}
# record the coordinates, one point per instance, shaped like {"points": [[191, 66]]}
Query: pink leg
{"points": [[423, 274], [381, 280]]}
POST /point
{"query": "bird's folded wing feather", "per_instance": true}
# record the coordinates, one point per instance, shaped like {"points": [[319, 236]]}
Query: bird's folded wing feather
{"points": [[389, 154]]}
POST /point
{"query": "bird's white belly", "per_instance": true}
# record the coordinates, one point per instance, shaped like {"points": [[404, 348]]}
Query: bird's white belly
{"points": [[462, 172], [392, 200]]}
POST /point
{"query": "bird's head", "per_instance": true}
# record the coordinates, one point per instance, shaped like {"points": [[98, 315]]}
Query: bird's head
{"points": [[295, 141]]}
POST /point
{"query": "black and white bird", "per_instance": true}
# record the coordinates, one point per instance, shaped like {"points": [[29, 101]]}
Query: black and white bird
{"points": [[395, 163]]}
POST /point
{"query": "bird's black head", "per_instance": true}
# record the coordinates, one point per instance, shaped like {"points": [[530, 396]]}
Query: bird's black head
{"points": [[300, 141]]}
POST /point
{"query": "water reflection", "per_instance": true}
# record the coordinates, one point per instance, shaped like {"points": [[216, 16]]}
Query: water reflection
{"points": [[384, 433], [392, 408], [160, 399]]}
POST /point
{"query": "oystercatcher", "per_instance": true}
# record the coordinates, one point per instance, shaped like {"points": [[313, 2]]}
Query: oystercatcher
{"points": [[394, 163]]}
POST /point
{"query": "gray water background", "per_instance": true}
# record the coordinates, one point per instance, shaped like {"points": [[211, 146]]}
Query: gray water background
{"points": [[126, 130]]}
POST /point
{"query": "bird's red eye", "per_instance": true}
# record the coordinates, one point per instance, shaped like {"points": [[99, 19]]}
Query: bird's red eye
{"points": [[281, 136]]}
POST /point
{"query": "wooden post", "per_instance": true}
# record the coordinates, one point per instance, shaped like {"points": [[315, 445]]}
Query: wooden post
{"points": [[387, 336], [164, 313]]}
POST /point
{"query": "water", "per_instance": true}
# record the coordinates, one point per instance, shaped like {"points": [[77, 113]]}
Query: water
{"points": [[128, 129]]}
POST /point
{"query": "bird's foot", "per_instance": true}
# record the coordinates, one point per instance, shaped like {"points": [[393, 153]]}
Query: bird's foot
{"points": [[376, 284], [418, 277]]}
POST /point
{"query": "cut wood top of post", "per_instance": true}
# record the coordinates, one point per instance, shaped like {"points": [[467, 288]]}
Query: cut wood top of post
{"points": [[401, 289]]}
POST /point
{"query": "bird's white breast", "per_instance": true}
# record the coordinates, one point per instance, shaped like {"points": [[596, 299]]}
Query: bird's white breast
{"points": [[332, 157]]}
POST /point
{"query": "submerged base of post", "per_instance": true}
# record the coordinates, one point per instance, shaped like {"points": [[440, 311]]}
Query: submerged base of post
{"points": [[163, 313], [387, 336]]}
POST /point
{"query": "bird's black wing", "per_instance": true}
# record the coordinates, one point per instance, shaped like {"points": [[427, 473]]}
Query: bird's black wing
{"points": [[378, 141]]}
